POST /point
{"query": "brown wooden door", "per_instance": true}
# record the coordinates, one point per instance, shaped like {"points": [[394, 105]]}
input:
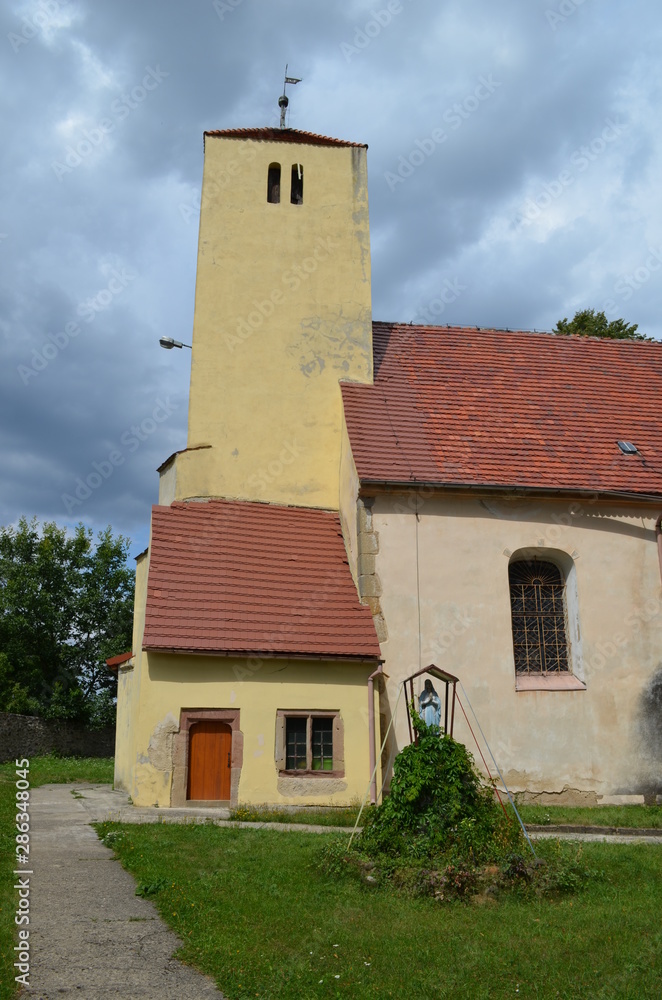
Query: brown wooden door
{"points": [[209, 761]]}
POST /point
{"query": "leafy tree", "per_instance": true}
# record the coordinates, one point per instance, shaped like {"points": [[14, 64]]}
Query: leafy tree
{"points": [[588, 323], [65, 606]]}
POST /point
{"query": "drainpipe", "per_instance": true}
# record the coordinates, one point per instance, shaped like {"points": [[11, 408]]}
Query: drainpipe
{"points": [[371, 734], [658, 535]]}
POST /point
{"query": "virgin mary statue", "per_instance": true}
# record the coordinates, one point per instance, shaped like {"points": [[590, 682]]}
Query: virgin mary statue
{"points": [[429, 705]]}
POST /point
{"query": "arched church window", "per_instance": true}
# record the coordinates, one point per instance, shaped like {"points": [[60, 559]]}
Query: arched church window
{"points": [[538, 607], [296, 195], [273, 183]]}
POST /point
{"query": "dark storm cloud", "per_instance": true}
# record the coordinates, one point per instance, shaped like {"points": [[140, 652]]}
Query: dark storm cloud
{"points": [[522, 214]]}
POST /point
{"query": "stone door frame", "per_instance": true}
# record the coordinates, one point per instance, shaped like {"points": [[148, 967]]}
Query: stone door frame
{"points": [[181, 743]]}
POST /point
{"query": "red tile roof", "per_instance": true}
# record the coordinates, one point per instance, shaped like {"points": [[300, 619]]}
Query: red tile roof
{"points": [[228, 576], [281, 135], [114, 662], [493, 407]]}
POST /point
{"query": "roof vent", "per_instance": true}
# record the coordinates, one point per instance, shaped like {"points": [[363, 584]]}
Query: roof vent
{"points": [[627, 447]]}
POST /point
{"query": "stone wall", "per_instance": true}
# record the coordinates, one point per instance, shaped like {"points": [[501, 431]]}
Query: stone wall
{"points": [[28, 736]]}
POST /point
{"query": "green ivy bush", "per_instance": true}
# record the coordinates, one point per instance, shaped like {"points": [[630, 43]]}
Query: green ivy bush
{"points": [[441, 832], [439, 806]]}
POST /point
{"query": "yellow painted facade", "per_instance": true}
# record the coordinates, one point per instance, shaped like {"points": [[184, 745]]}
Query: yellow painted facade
{"points": [[171, 683], [282, 312], [349, 491], [128, 687]]}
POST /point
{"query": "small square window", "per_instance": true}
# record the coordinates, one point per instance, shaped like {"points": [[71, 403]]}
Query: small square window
{"points": [[310, 743]]}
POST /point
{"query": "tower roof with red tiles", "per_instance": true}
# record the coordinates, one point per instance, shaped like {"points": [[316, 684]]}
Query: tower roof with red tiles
{"points": [[230, 576], [281, 135], [464, 406]]}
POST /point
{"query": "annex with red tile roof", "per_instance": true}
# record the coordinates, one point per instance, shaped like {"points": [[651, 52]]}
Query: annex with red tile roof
{"points": [[462, 406], [250, 578], [281, 135]]}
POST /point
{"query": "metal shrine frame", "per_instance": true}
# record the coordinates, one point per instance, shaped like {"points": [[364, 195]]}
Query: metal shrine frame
{"points": [[441, 675]]}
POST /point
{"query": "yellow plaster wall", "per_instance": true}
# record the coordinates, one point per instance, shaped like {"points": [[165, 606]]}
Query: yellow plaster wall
{"points": [[129, 685], [282, 312], [168, 483], [258, 689], [591, 740], [349, 489]]}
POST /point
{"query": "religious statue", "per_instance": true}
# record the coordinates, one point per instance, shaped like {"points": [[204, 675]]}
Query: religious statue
{"points": [[429, 705]]}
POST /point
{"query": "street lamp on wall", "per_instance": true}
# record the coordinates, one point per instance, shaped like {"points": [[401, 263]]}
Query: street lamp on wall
{"points": [[169, 343]]}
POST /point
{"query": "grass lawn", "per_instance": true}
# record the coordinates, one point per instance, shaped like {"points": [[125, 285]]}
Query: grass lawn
{"points": [[315, 815], [42, 771], [251, 906], [256, 913], [639, 817]]}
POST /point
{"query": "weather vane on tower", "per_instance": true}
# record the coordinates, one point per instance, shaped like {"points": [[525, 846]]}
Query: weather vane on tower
{"points": [[283, 100]]}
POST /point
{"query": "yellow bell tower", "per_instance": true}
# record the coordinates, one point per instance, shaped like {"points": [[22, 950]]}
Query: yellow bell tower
{"points": [[282, 313]]}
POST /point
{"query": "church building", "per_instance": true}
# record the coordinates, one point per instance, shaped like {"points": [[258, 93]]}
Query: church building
{"points": [[360, 500]]}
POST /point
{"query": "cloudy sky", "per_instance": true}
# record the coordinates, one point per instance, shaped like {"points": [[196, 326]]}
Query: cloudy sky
{"points": [[515, 156]]}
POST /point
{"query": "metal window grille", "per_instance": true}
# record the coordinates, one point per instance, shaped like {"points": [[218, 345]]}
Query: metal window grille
{"points": [[322, 744], [537, 601], [296, 743]]}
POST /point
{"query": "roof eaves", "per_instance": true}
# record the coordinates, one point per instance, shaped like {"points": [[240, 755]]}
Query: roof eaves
{"points": [[281, 135], [512, 488], [266, 654]]}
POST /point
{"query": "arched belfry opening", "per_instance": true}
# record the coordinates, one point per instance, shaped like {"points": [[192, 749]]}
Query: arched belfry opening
{"points": [[273, 184], [296, 188]]}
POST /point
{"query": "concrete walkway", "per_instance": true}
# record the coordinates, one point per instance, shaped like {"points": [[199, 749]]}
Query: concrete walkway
{"points": [[102, 803], [595, 835], [90, 935]]}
